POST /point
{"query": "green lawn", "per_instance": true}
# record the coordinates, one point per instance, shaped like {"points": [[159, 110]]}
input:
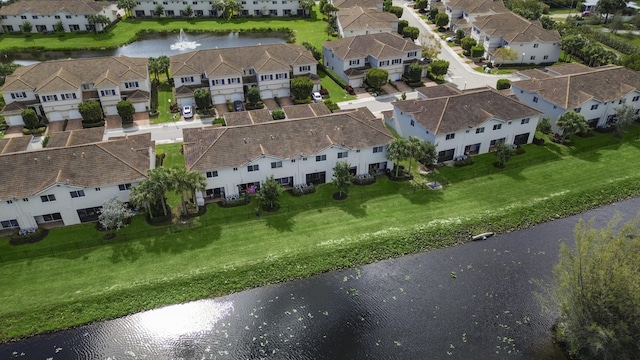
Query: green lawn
{"points": [[226, 250], [306, 29], [336, 93]]}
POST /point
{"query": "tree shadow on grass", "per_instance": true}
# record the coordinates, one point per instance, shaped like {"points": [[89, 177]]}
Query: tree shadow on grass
{"points": [[353, 206], [182, 240], [421, 193], [125, 252], [281, 221]]}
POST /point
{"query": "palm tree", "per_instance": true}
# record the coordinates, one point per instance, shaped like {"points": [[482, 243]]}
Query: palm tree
{"points": [[570, 123], [420, 150], [154, 68], [397, 151], [185, 181], [142, 196], [163, 65], [195, 182], [152, 191]]}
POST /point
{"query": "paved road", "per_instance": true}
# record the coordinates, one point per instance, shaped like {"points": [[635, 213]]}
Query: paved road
{"points": [[161, 133], [460, 73]]}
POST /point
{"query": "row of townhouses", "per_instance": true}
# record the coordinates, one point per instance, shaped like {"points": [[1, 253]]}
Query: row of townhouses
{"points": [[67, 182], [493, 26], [43, 15], [204, 8], [55, 89]]}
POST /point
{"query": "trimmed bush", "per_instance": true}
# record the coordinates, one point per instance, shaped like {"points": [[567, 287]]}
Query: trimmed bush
{"points": [[302, 101], [219, 120], [303, 191], [503, 84], [277, 114], [466, 162]]}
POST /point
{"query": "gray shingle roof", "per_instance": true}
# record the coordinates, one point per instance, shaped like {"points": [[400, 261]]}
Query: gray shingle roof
{"points": [[512, 27], [382, 45], [453, 113], [50, 7], [213, 148]]}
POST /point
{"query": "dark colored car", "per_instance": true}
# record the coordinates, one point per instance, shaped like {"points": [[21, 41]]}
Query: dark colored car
{"points": [[238, 105]]}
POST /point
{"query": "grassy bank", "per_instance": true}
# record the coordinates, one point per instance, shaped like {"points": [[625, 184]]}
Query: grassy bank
{"points": [[227, 250], [124, 32]]}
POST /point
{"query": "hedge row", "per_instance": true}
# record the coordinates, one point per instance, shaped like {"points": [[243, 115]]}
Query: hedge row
{"points": [[333, 76], [612, 41]]}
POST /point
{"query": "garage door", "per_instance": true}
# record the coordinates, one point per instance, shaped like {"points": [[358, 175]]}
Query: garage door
{"points": [[111, 110], [54, 116]]}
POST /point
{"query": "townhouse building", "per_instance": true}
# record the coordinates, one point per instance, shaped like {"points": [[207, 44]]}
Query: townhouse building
{"points": [[43, 15], [229, 73], [68, 184], [462, 12], [295, 151], [467, 123], [532, 43], [369, 4], [55, 88], [360, 20], [351, 57], [204, 8], [594, 93]]}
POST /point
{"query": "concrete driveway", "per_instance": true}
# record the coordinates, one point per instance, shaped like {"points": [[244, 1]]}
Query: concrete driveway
{"points": [[461, 74]]}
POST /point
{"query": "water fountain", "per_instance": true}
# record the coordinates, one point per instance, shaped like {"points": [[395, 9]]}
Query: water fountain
{"points": [[184, 43]]}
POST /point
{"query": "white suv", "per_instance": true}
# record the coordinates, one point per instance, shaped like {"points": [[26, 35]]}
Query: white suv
{"points": [[187, 112]]}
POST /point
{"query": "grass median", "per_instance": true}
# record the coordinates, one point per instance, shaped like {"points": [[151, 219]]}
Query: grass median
{"points": [[227, 250], [311, 29]]}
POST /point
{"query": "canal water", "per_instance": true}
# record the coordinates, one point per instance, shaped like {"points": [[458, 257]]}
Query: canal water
{"points": [[154, 45], [474, 301]]}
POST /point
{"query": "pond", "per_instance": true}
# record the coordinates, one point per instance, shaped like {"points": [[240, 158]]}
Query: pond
{"points": [[154, 45], [474, 301]]}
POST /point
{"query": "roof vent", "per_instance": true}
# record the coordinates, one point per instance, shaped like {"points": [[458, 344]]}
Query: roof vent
{"points": [[82, 155], [36, 160]]}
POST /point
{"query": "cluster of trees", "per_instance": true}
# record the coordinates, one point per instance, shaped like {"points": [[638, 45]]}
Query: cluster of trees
{"points": [[410, 149], [388, 6], [150, 194], [591, 52], [159, 66]]}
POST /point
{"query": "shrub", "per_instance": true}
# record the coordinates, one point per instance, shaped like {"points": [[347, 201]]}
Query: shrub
{"points": [[302, 101], [310, 189], [35, 132], [466, 162], [503, 84], [277, 114], [350, 90], [233, 203], [229, 106], [331, 105], [92, 125], [365, 181], [338, 80], [45, 140], [29, 238], [218, 120], [324, 92]]}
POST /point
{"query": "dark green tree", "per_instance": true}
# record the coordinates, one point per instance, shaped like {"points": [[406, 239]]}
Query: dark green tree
{"points": [[467, 43], [301, 87], [7, 69], [397, 11], [422, 5], [377, 77], [607, 7], [544, 125], [442, 20], [126, 111], [477, 51], [91, 112], [439, 67], [631, 61], [98, 19], [58, 26], [163, 65], [433, 12], [502, 84], [159, 10], [547, 22], [401, 25], [316, 53], [626, 116], [203, 98], [269, 195], [253, 95], [420, 150], [504, 152], [397, 151], [411, 32], [341, 178], [307, 6], [596, 288], [30, 119], [188, 11], [460, 35], [415, 72]]}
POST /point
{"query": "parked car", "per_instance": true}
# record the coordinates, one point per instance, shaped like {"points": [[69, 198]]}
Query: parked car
{"points": [[451, 38], [187, 112], [586, 13], [316, 96], [238, 105]]}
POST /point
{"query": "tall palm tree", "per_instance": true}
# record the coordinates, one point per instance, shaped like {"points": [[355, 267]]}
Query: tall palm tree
{"points": [[142, 196], [154, 68], [160, 183], [185, 181], [397, 151]]}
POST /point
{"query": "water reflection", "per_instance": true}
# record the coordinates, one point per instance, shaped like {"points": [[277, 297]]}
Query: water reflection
{"points": [[154, 45]]}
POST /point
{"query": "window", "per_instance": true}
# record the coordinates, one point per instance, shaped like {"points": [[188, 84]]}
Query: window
{"points": [[282, 76], [47, 198], [110, 92], [413, 123], [235, 169], [68, 96], [343, 154], [354, 62], [217, 82], [524, 121], [19, 95], [52, 217], [97, 189], [124, 187], [186, 79], [25, 199], [535, 99], [497, 126], [74, 27], [321, 158], [305, 68], [266, 77], [383, 63], [276, 164], [577, 110], [535, 45], [251, 168], [546, 57], [622, 101], [77, 193], [57, 16], [378, 149], [211, 174], [68, 16], [34, 16], [594, 107], [532, 58], [635, 98], [9, 201], [480, 130], [23, 17], [293, 160], [412, 54], [131, 84], [450, 136], [9, 224], [49, 98], [396, 61]]}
